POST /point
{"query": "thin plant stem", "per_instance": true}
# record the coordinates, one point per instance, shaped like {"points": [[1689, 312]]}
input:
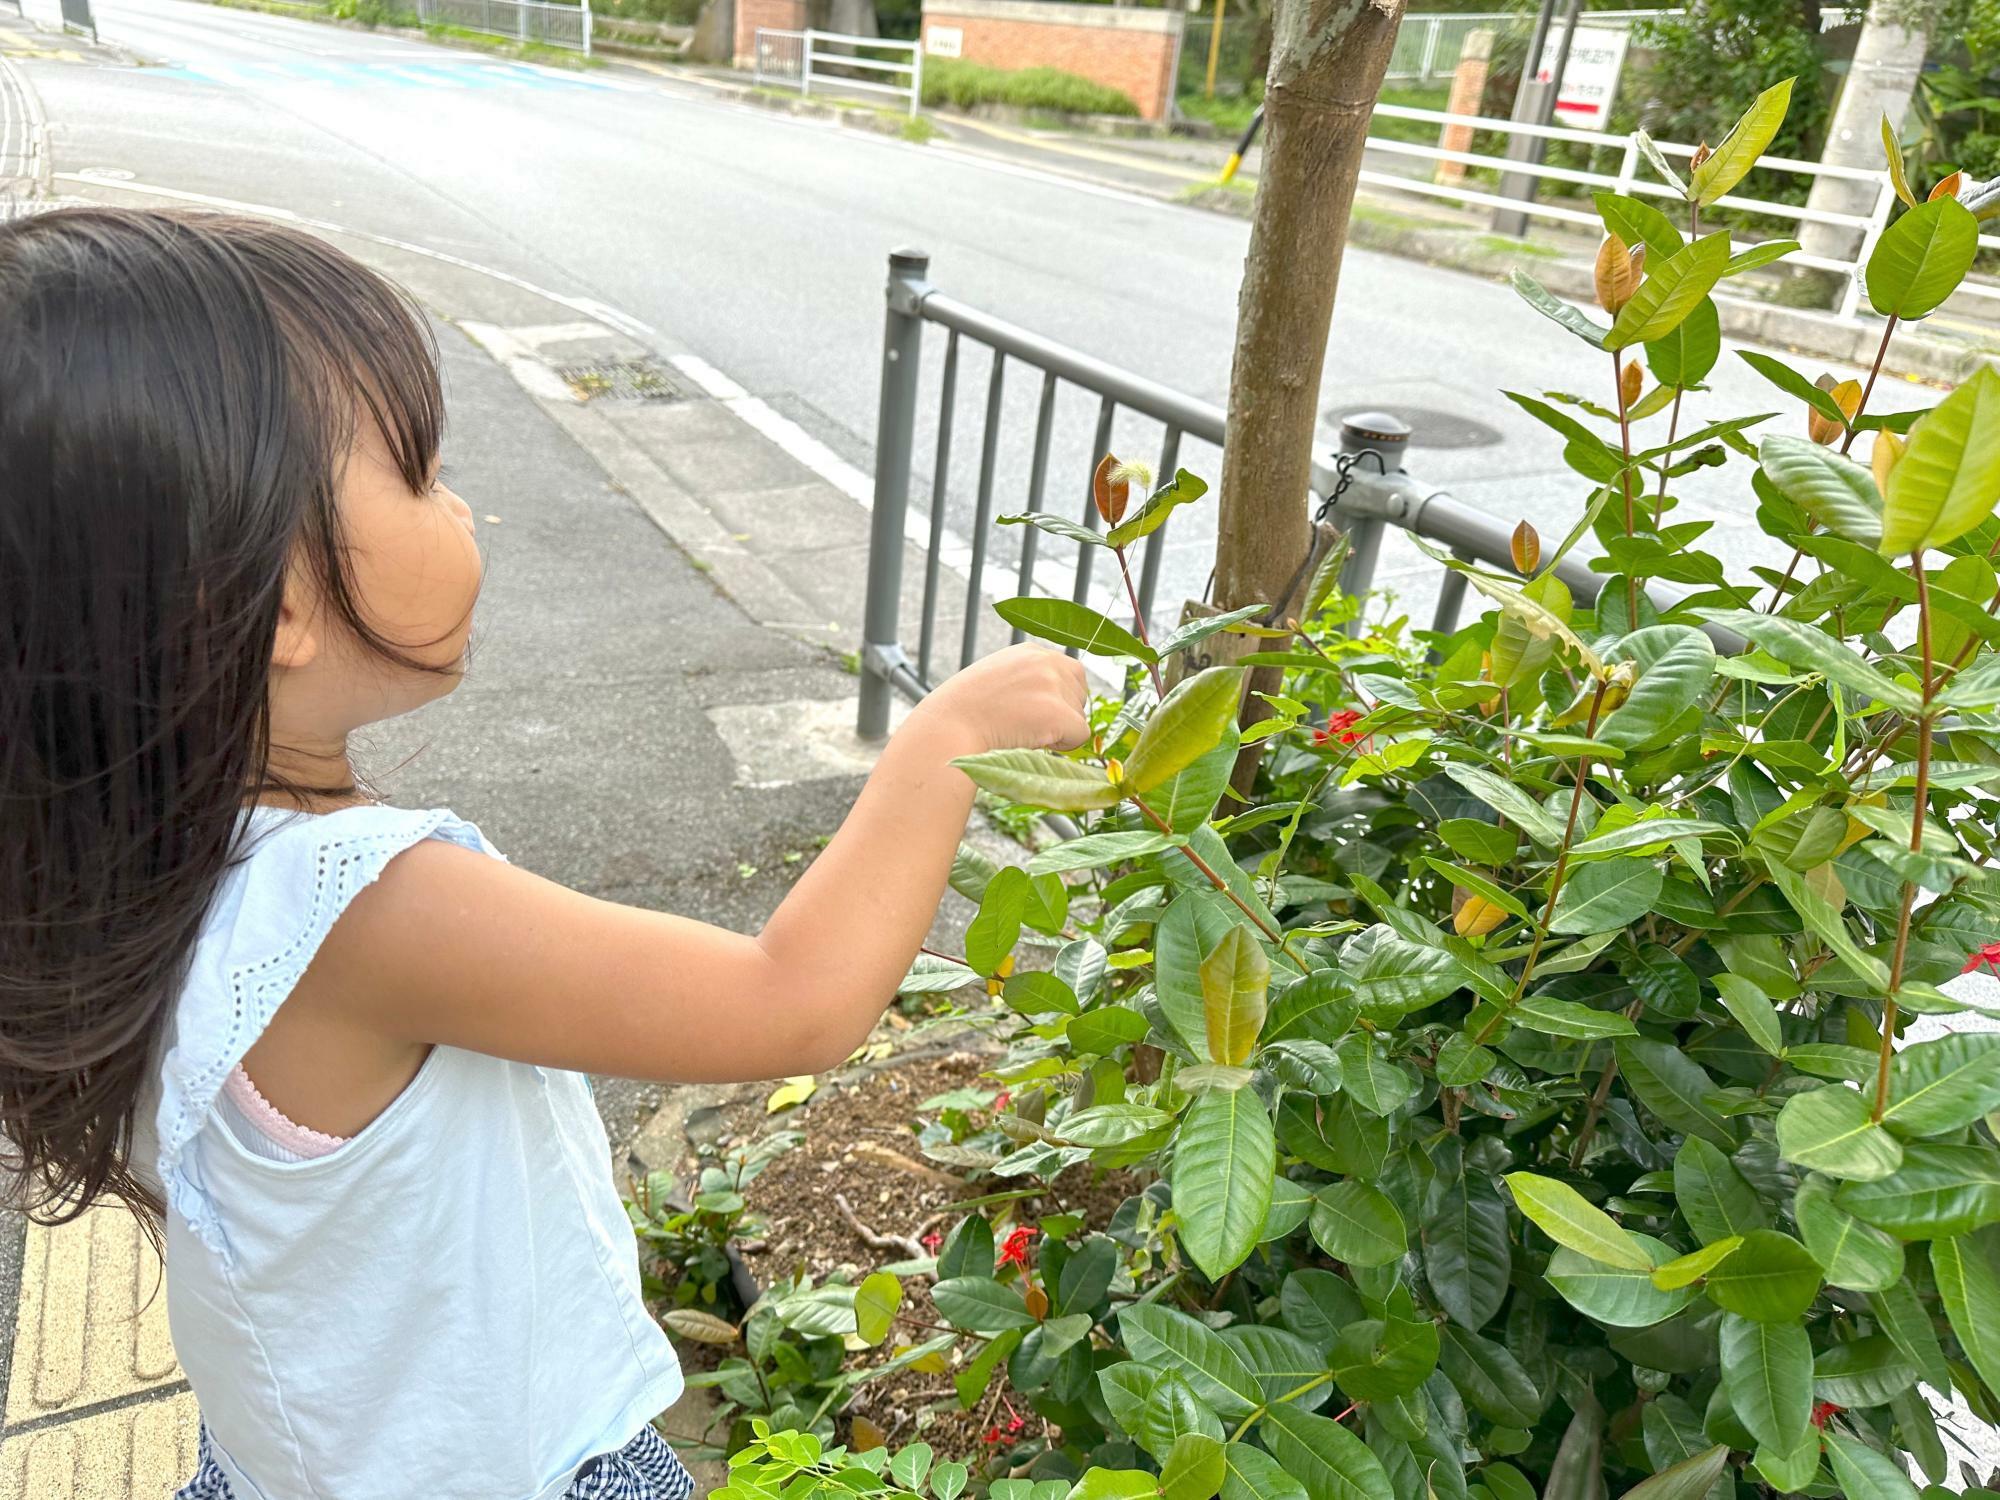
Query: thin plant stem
{"points": [[1666, 456], [1209, 874], [1625, 479], [1138, 618], [1556, 878], [1925, 720], [1881, 349]]}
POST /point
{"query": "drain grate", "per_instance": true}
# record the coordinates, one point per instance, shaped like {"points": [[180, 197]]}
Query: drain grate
{"points": [[643, 379], [1430, 426]]}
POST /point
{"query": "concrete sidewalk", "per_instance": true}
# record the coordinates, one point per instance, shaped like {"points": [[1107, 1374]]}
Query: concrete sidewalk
{"points": [[657, 713]]}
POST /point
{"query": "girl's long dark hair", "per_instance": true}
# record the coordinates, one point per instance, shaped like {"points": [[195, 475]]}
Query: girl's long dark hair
{"points": [[178, 395]]}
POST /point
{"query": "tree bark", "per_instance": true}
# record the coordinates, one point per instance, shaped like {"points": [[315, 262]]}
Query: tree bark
{"points": [[1327, 62]]}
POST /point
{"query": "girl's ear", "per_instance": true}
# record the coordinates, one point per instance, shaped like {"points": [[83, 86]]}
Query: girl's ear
{"points": [[297, 642]]}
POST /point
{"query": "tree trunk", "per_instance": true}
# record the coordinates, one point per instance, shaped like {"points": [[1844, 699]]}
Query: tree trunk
{"points": [[1327, 62], [1883, 77]]}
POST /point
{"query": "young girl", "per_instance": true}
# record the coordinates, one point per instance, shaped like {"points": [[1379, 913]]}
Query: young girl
{"points": [[337, 1049]]}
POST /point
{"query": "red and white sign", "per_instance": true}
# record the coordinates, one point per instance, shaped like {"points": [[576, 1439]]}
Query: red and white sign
{"points": [[1590, 80]]}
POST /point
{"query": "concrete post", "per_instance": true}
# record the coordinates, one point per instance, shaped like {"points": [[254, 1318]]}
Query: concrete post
{"points": [[895, 435], [1468, 88], [1881, 80]]}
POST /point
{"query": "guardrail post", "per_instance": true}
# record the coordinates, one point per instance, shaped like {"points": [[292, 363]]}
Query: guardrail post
{"points": [[586, 28], [1387, 438], [916, 77], [806, 66], [895, 436]]}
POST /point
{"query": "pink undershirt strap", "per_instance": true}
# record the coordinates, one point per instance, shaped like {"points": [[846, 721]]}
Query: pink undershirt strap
{"points": [[299, 1140]]}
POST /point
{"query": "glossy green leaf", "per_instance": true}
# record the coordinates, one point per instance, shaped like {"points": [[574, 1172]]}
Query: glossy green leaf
{"points": [[1252, 1474], [1161, 1336], [1793, 1471], [1771, 1278], [1235, 979], [1509, 801], [1690, 1479], [1659, 163], [1056, 526], [1672, 289], [1684, 356], [980, 1304], [1467, 1252], [1947, 479], [1608, 894], [1650, 834], [1811, 649], [1182, 489], [1673, 1086], [1358, 1224], [1861, 1471], [1835, 491], [1110, 1484], [1109, 1026], [1921, 258], [1490, 1378], [1969, 1288], [1862, 1372], [1939, 1190], [1943, 1085], [1825, 920], [1618, 1296], [1767, 1377], [1763, 254], [1753, 1011], [1571, 1220], [1380, 1359], [1637, 222], [1396, 976], [1550, 306], [1330, 1461], [876, 1302], [1715, 1200], [1792, 383], [1687, 1269], [1831, 1130], [1189, 723], [1676, 665], [1039, 779], [1568, 1018], [1370, 1080], [1066, 623], [1225, 1157], [1095, 850], [1753, 131], [1900, 1313], [1854, 1255], [1193, 1469]]}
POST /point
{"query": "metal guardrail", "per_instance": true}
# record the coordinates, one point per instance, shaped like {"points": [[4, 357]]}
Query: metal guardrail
{"points": [[1629, 179], [552, 25], [833, 58], [1362, 497]]}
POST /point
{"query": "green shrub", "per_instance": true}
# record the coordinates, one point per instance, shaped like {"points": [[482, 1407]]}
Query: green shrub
{"points": [[964, 84], [1512, 1082]]}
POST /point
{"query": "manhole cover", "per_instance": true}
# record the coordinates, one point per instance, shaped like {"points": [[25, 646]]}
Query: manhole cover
{"points": [[1429, 426], [623, 380]]}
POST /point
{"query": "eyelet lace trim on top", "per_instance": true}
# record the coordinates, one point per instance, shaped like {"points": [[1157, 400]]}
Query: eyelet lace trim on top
{"points": [[273, 1123], [307, 868]]}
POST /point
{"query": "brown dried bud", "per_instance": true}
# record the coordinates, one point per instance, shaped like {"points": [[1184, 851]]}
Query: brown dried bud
{"points": [[1948, 186], [1111, 492], [1618, 272], [1038, 1303], [1473, 916], [1526, 548], [1701, 155], [1888, 449], [1631, 380]]}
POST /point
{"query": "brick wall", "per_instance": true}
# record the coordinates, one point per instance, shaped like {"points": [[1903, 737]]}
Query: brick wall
{"points": [[781, 15], [1132, 50]]}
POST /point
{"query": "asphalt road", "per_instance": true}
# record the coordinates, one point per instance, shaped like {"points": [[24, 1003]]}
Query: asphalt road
{"points": [[758, 241]]}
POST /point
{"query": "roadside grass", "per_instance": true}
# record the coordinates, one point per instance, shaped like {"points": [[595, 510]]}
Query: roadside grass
{"points": [[962, 85]]}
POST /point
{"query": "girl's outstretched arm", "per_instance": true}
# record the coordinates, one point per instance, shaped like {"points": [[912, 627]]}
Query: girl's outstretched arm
{"points": [[452, 947]]}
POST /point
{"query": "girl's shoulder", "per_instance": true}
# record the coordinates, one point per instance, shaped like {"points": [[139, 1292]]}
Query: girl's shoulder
{"points": [[292, 876]]}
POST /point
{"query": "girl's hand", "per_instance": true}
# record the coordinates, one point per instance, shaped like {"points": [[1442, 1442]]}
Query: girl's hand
{"points": [[1025, 697]]}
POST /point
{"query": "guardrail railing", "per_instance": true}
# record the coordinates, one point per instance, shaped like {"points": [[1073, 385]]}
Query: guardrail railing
{"points": [[552, 25], [1363, 489], [1630, 178], [832, 58]]}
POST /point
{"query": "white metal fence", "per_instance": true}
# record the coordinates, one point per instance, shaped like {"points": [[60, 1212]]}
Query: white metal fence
{"points": [[823, 59], [552, 25], [1574, 184]]}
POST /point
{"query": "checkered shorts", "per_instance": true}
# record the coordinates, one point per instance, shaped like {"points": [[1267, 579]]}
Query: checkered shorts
{"points": [[644, 1469]]}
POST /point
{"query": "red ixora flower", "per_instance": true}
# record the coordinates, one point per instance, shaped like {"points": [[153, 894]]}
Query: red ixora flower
{"points": [[1821, 1411], [1986, 957], [1014, 1251], [991, 1435], [1002, 1099], [1014, 1425], [933, 1240], [1340, 727]]}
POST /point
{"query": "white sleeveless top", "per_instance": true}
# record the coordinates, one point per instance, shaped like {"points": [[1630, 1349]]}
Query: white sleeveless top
{"points": [[448, 1306]]}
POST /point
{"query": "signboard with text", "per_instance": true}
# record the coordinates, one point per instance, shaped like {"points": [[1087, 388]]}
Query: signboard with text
{"points": [[1590, 80]]}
